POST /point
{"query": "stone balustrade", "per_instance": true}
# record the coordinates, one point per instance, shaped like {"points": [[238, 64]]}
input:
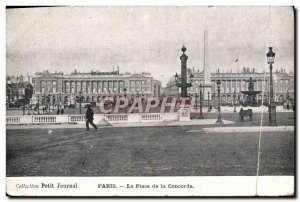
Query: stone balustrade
{"points": [[80, 118]]}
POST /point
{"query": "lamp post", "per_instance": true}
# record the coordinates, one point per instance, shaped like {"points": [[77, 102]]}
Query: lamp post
{"points": [[80, 98], [196, 96], [59, 102], [53, 101], [48, 102], [44, 99], [142, 98], [183, 84], [26, 98], [234, 101], [28, 113], [219, 121], [38, 105], [201, 101], [288, 100], [23, 105], [125, 96], [272, 106], [208, 94], [267, 102]]}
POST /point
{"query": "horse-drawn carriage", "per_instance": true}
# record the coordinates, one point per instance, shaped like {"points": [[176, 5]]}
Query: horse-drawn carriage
{"points": [[247, 112]]}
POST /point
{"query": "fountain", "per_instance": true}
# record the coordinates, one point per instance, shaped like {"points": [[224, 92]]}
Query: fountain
{"points": [[251, 94]]}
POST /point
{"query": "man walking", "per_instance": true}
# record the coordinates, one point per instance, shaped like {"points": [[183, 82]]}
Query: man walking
{"points": [[89, 117]]}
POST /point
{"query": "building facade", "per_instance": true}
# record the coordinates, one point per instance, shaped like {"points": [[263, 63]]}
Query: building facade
{"points": [[232, 83], [94, 85], [15, 87]]}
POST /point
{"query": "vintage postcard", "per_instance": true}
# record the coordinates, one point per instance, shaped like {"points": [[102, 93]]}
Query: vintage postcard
{"points": [[150, 101]]}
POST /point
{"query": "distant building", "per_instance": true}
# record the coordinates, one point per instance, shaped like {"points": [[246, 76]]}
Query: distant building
{"points": [[15, 87], [94, 85], [235, 82]]}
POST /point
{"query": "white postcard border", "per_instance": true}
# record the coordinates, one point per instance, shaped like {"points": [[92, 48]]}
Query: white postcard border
{"points": [[151, 186]]}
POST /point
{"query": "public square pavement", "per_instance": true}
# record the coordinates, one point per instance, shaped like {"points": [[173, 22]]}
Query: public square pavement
{"points": [[159, 151], [282, 118]]}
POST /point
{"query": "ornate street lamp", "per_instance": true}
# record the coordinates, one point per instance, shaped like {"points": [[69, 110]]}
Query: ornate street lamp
{"points": [[183, 83], [234, 101], [38, 104], [48, 101], [28, 94], [53, 101], [208, 94], [288, 100], [125, 95], [80, 98], [176, 77], [196, 96], [28, 107], [201, 101], [58, 103], [23, 105], [272, 105], [219, 121]]}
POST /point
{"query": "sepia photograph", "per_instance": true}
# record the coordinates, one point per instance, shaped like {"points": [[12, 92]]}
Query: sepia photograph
{"points": [[150, 101]]}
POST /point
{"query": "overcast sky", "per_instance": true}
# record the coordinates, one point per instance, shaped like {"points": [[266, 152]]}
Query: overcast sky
{"points": [[146, 38]]}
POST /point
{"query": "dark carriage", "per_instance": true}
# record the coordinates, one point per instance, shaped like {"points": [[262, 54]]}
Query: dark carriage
{"points": [[246, 113]]}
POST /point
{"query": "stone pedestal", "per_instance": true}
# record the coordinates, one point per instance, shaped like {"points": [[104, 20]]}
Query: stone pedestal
{"points": [[184, 114]]}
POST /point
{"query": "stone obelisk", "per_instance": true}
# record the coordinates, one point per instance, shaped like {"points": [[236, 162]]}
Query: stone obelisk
{"points": [[206, 73]]}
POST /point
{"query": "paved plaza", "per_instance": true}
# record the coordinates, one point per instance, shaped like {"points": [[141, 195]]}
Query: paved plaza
{"points": [[282, 118], [164, 150], [146, 151]]}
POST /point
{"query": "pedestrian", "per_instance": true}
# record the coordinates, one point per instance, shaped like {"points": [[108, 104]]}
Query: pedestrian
{"points": [[62, 111], [89, 117]]}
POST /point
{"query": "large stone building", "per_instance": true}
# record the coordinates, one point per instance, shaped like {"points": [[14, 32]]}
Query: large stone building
{"points": [[94, 85], [232, 83], [15, 87]]}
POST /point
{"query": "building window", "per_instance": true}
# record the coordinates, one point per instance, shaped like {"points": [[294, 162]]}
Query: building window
{"points": [[83, 87], [223, 87], [54, 87], [266, 85], [78, 87], [94, 87], [228, 86], [244, 88], [259, 84]]}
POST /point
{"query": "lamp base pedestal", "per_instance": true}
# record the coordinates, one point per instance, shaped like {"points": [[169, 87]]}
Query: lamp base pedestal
{"points": [[184, 114], [201, 116], [220, 122]]}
